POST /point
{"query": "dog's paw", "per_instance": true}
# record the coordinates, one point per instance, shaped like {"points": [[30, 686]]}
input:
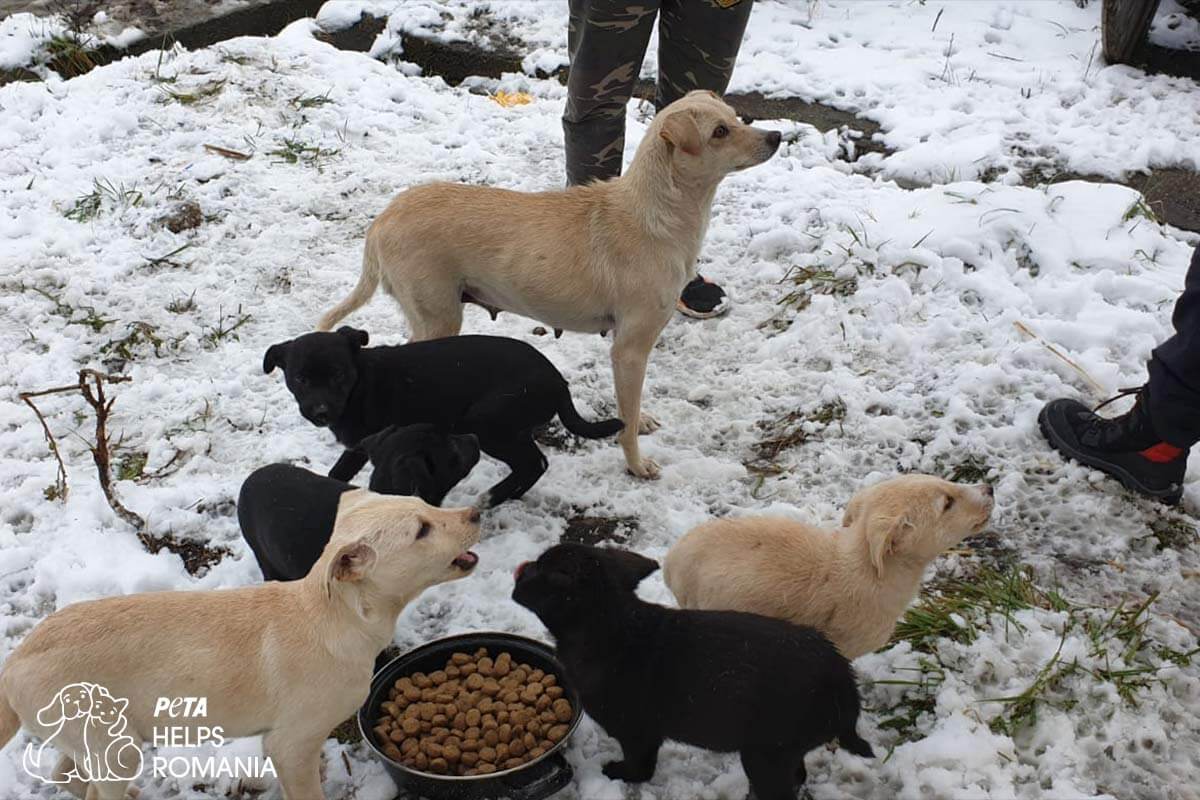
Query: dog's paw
{"points": [[648, 469], [647, 424], [621, 771]]}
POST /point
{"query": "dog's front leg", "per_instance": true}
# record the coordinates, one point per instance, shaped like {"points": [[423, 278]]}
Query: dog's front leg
{"points": [[348, 465], [630, 352], [297, 762]]}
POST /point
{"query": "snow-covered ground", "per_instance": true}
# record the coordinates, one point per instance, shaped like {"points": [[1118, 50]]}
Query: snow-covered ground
{"points": [[963, 89], [929, 316]]}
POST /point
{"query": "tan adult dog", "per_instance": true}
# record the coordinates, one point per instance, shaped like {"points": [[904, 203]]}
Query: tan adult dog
{"points": [[287, 660], [612, 255], [852, 584]]}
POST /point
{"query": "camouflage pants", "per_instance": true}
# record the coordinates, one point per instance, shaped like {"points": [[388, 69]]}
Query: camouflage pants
{"points": [[698, 42]]}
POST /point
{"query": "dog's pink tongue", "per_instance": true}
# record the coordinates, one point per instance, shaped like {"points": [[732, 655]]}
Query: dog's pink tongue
{"points": [[466, 560], [520, 568]]}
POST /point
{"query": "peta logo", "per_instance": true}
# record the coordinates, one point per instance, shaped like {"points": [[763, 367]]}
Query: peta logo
{"points": [[86, 726]]}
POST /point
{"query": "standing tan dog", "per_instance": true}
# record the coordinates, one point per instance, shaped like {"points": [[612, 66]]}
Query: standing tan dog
{"points": [[612, 255], [851, 584], [288, 661]]}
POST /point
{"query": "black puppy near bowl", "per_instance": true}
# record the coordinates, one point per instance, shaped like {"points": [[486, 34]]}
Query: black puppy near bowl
{"points": [[287, 513], [533, 780]]}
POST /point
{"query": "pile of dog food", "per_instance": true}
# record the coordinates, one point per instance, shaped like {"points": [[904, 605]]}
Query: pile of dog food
{"points": [[476, 716]]}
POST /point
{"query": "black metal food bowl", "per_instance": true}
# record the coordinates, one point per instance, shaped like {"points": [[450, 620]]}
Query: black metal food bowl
{"points": [[534, 780]]}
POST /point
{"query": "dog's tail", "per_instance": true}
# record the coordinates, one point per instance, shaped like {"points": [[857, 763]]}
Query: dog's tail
{"points": [[10, 723], [363, 291], [580, 426]]}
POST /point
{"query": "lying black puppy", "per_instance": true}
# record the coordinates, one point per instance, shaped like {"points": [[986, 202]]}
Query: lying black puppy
{"points": [[287, 513], [496, 388], [722, 680]]}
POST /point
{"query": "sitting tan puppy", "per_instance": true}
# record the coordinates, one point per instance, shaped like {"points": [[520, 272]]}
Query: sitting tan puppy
{"points": [[852, 584], [612, 255], [288, 661]]}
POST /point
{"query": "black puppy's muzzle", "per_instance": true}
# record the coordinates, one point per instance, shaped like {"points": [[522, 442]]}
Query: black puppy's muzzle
{"points": [[318, 415]]}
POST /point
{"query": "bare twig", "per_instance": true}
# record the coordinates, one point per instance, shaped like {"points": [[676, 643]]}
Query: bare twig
{"points": [[94, 395], [60, 482], [225, 151]]}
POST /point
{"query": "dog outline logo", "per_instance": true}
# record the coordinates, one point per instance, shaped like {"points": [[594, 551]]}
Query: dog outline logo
{"points": [[95, 744]]}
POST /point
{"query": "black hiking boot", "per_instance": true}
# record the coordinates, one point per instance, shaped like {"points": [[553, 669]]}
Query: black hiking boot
{"points": [[1125, 447]]}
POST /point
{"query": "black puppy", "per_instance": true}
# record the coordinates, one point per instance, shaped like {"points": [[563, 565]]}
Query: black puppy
{"points": [[287, 513], [722, 680], [496, 388]]}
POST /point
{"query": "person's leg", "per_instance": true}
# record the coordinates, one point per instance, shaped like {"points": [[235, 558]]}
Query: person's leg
{"points": [[1147, 448], [698, 42], [606, 43], [1173, 391]]}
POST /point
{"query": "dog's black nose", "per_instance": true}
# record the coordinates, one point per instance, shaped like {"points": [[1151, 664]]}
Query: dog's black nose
{"points": [[320, 415], [774, 138], [474, 516], [987, 489]]}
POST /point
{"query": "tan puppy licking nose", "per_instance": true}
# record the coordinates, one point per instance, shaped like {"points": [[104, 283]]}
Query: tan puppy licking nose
{"points": [[287, 660], [852, 583]]}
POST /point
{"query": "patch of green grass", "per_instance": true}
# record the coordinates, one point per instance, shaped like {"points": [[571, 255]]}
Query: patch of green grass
{"points": [[1140, 208], [140, 334], [90, 319], [88, 206], [1120, 654], [205, 91], [918, 700], [810, 281], [1174, 533], [796, 428], [958, 609], [296, 151], [71, 54], [226, 328], [131, 465], [973, 470], [302, 101], [182, 305]]}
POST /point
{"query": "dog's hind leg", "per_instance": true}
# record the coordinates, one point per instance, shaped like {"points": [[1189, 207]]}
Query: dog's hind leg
{"points": [[522, 456], [772, 774], [67, 775], [433, 311], [640, 758]]}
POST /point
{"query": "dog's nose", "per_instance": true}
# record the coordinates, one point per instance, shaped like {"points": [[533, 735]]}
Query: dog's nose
{"points": [[774, 138], [473, 515], [987, 489]]}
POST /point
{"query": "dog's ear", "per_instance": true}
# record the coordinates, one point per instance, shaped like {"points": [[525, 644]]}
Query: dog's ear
{"points": [[629, 568], [275, 357], [883, 538], [357, 337], [350, 564], [369, 443], [680, 130], [852, 512]]}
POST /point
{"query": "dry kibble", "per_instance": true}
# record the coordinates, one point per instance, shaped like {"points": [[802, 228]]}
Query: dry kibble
{"points": [[474, 716]]}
